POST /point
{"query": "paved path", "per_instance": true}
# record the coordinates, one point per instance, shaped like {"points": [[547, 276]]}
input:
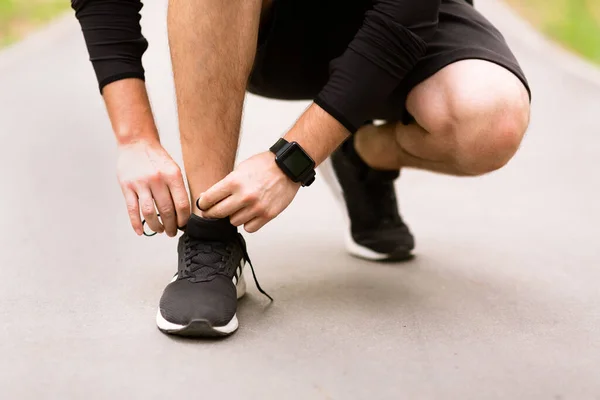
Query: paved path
{"points": [[502, 301]]}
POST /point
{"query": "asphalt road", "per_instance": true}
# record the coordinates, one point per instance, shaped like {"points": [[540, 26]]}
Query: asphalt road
{"points": [[501, 302]]}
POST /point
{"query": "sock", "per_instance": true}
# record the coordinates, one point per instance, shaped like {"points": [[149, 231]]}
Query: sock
{"points": [[210, 229]]}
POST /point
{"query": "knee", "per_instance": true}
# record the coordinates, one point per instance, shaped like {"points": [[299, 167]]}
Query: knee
{"points": [[484, 133]]}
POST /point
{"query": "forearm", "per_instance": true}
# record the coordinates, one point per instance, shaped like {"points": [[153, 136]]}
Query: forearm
{"points": [[130, 112], [318, 133]]}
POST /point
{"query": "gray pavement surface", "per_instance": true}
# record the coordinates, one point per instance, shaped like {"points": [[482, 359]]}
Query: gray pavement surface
{"points": [[502, 301]]}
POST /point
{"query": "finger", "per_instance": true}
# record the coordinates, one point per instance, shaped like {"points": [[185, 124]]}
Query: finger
{"points": [[262, 215], [219, 191], [227, 207], [148, 210], [166, 208], [180, 198], [242, 216], [255, 224], [133, 209]]}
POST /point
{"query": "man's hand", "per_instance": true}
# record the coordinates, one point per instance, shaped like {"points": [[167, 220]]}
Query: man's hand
{"points": [[257, 190], [252, 195], [149, 176]]}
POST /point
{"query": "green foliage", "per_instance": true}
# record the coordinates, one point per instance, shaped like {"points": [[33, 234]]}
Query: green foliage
{"points": [[579, 29], [574, 24], [17, 17]]}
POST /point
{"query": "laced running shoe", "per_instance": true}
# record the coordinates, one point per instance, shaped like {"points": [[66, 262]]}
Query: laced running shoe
{"points": [[201, 300], [376, 232]]}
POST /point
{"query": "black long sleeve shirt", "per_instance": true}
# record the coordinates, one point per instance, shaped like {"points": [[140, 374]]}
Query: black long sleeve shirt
{"points": [[392, 39]]}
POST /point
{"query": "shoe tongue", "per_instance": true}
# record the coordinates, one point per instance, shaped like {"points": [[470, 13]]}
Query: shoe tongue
{"points": [[210, 229]]}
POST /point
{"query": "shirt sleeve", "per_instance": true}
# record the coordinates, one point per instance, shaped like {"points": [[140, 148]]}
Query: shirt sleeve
{"points": [[392, 39], [113, 36]]}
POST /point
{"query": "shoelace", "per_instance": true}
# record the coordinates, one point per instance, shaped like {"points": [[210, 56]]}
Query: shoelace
{"points": [[247, 258], [200, 247], [194, 267]]}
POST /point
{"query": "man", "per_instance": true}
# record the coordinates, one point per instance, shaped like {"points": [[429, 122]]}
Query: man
{"points": [[453, 98]]}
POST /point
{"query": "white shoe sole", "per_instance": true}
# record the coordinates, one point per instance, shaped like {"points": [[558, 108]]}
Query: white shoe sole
{"points": [[202, 328], [355, 249]]}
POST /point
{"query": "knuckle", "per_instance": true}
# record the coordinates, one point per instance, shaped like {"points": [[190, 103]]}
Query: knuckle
{"points": [[269, 214], [172, 172], [182, 205], [167, 212], [148, 210], [250, 197], [235, 183], [132, 209], [127, 183], [131, 184], [154, 177], [260, 210]]}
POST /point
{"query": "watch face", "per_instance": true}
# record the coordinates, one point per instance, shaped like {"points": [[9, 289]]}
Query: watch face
{"points": [[297, 162]]}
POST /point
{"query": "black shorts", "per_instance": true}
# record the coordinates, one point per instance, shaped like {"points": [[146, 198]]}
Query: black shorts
{"points": [[299, 38]]}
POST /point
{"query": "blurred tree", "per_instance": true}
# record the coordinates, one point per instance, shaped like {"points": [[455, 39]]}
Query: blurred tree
{"points": [[572, 23], [18, 17]]}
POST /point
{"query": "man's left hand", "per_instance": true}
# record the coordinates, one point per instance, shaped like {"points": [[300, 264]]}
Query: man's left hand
{"points": [[252, 195]]}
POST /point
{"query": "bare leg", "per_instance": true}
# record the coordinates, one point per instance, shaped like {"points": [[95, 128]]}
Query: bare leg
{"points": [[213, 45], [471, 117]]}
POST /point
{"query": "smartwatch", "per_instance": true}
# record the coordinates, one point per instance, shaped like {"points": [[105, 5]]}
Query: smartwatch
{"points": [[294, 162]]}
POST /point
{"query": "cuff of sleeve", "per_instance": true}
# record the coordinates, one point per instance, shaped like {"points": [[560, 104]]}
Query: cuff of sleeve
{"points": [[356, 90], [118, 77], [331, 110]]}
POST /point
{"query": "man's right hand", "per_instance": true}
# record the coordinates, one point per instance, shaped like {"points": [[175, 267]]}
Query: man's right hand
{"points": [[149, 176]]}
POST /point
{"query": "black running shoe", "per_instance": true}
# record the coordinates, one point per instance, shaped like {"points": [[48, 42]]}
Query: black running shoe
{"points": [[201, 300], [377, 232]]}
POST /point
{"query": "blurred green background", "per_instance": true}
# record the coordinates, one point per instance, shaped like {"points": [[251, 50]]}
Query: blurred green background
{"points": [[19, 17], [575, 24]]}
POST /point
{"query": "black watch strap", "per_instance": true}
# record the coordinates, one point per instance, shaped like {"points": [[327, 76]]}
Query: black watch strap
{"points": [[278, 145], [309, 179]]}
